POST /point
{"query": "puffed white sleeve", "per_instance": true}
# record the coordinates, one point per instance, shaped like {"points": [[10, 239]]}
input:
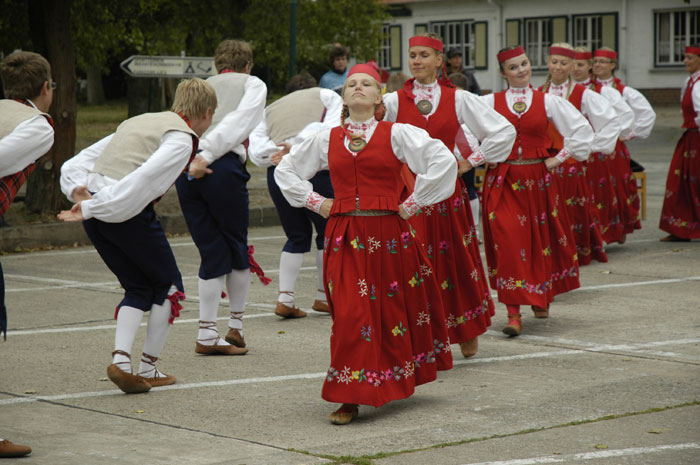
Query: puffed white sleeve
{"points": [[572, 125], [493, 130], [625, 115], [124, 199], [644, 114], [391, 102], [236, 126], [260, 146], [696, 103], [603, 119], [432, 162], [334, 105], [303, 161], [28, 142], [75, 170]]}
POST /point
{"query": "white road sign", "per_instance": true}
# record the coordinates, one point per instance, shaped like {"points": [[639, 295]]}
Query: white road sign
{"points": [[168, 66]]}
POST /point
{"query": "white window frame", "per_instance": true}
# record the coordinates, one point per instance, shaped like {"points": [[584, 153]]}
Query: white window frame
{"points": [[458, 34], [537, 49], [384, 55], [680, 32], [588, 31]]}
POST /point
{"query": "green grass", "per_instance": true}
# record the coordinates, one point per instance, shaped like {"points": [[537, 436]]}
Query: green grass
{"points": [[97, 121]]}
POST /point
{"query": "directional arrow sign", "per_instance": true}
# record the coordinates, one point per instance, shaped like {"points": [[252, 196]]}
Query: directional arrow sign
{"points": [[165, 66]]}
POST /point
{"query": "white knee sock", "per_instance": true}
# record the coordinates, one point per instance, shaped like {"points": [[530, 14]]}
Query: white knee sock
{"points": [[128, 321], [474, 203], [156, 333], [209, 298], [320, 291], [290, 264], [237, 283]]}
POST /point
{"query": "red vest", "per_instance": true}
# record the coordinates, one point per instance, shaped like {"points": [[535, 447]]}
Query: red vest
{"points": [[531, 127], [689, 113], [442, 124], [372, 175]]}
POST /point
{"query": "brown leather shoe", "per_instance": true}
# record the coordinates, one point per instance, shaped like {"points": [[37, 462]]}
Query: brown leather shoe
{"points": [[345, 414], [320, 306], [219, 350], [514, 326], [540, 312], [9, 449], [127, 382], [161, 380], [672, 238], [469, 347], [285, 311], [235, 337]]}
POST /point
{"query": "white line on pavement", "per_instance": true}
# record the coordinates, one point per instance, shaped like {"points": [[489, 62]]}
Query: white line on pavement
{"points": [[603, 454], [228, 382]]}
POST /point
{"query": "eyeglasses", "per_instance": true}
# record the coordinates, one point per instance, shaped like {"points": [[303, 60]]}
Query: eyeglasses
{"points": [[601, 62], [52, 85]]}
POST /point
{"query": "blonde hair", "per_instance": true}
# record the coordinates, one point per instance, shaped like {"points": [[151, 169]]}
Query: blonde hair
{"points": [[584, 50], [193, 97], [24, 74], [233, 54], [548, 81], [379, 109]]}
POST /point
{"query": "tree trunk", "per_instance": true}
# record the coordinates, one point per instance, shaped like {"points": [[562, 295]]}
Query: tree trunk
{"points": [[43, 186], [95, 91]]}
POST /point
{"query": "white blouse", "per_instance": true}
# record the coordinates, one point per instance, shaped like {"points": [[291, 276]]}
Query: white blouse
{"points": [[115, 201], [644, 115], [261, 147], [695, 95], [432, 162], [29, 141], [236, 126], [600, 114], [571, 124], [494, 131]]}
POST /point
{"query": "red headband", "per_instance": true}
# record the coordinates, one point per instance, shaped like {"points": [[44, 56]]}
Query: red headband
{"points": [[605, 54], [583, 56], [693, 50], [426, 42], [508, 54], [567, 52], [368, 68]]}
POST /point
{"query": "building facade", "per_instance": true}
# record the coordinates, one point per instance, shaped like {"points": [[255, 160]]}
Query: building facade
{"points": [[649, 35]]}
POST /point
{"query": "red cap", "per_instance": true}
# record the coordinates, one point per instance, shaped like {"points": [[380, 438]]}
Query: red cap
{"points": [[693, 50], [426, 42], [508, 54], [583, 56], [368, 68], [605, 54], [567, 52]]}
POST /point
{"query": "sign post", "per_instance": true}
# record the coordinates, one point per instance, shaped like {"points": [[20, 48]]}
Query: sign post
{"points": [[168, 66]]}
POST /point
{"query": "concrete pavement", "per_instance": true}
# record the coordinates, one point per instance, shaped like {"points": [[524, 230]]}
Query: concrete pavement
{"points": [[613, 377]]}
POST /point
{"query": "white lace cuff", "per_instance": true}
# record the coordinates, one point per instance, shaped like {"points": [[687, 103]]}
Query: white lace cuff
{"points": [[410, 205], [314, 201], [562, 155]]}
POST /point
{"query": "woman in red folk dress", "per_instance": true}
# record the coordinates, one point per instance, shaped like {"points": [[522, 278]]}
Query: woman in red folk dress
{"points": [[389, 333], [447, 228], [571, 176], [604, 65], [529, 256], [608, 195], [680, 215]]}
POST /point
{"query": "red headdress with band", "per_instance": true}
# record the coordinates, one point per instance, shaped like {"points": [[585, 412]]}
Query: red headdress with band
{"points": [[605, 54], [583, 56], [368, 68], [693, 50], [563, 51], [426, 42], [508, 54]]}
